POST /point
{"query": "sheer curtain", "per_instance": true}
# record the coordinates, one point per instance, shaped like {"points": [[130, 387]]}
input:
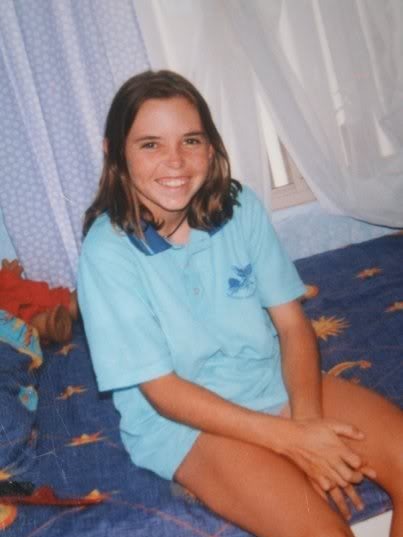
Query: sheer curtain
{"points": [[60, 65], [196, 38], [331, 77]]}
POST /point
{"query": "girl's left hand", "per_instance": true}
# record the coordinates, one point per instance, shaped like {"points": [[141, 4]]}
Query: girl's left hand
{"points": [[338, 495]]}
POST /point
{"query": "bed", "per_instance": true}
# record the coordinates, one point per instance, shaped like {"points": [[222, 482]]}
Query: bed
{"points": [[355, 301]]}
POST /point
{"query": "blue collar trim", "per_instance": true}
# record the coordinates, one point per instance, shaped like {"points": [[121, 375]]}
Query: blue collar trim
{"points": [[153, 243]]}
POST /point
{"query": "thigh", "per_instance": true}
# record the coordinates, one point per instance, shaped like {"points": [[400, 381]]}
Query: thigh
{"points": [[380, 421], [256, 489]]}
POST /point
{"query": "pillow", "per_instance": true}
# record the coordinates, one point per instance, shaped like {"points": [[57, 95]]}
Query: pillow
{"points": [[20, 359], [7, 250]]}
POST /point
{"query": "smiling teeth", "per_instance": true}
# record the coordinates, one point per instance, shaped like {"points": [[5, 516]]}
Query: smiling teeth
{"points": [[172, 182]]}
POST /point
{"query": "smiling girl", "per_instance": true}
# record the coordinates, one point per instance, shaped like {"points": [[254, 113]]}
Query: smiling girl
{"points": [[191, 310]]}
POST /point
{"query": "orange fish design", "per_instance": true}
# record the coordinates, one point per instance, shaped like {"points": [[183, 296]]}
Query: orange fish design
{"points": [[8, 513], [70, 391], [311, 291], [36, 360], [96, 496], [65, 350], [86, 439], [369, 273], [343, 366], [396, 306], [329, 326], [5, 474]]}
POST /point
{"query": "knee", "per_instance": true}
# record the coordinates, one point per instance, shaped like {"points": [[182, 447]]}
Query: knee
{"points": [[393, 462]]}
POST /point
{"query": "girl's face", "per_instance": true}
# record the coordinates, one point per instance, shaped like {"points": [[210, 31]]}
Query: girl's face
{"points": [[168, 156]]}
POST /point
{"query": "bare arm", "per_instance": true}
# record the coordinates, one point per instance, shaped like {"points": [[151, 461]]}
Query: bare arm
{"points": [[312, 445], [300, 360], [302, 376], [186, 402]]}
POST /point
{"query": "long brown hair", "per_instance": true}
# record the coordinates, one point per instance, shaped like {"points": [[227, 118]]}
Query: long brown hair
{"points": [[210, 207]]}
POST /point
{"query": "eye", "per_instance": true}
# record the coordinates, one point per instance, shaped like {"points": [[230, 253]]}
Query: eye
{"points": [[193, 140], [149, 145]]}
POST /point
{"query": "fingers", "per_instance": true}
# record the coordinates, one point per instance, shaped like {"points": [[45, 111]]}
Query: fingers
{"points": [[318, 489], [357, 468], [354, 497], [349, 475], [353, 470], [325, 476], [368, 471], [325, 457], [338, 497], [352, 459], [324, 483], [347, 430]]}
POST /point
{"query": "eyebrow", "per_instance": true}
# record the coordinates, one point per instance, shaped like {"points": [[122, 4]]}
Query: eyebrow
{"points": [[195, 133], [151, 137], [147, 137]]}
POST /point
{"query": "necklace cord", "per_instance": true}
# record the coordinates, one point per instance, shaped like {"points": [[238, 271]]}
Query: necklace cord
{"points": [[176, 227]]}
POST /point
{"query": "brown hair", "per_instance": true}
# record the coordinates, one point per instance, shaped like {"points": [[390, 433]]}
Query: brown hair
{"points": [[214, 202]]}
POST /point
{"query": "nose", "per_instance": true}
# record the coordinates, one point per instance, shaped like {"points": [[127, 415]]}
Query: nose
{"points": [[174, 157]]}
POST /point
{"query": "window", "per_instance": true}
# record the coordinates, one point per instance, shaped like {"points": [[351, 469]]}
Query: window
{"points": [[288, 186], [295, 191]]}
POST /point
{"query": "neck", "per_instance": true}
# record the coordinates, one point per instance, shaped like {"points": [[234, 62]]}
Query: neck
{"points": [[172, 231]]}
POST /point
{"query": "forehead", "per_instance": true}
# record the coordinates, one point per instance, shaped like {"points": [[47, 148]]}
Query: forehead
{"points": [[162, 115]]}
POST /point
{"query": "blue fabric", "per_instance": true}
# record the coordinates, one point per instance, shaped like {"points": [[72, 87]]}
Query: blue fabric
{"points": [[20, 358], [308, 229], [359, 313], [138, 503], [183, 309]]}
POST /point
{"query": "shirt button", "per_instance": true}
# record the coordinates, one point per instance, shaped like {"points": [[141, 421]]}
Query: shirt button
{"points": [[196, 291]]}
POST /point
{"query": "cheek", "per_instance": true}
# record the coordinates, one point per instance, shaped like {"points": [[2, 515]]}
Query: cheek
{"points": [[202, 161], [137, 166]]}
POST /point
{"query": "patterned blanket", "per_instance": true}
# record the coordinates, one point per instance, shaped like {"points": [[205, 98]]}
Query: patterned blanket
{"points": [[356, 307]]}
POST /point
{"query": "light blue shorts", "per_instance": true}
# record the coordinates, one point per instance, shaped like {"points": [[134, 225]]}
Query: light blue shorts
{"points": [[160, 445], [164, 451]]}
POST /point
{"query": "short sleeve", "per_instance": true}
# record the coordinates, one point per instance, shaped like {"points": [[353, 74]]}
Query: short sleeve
{"points": [[126, 342], [278, 281]]}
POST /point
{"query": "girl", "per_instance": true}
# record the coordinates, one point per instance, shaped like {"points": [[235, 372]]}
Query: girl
{"points": [[191, 311]]}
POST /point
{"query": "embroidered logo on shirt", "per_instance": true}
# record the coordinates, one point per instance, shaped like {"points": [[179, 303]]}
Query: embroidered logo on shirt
{"points": [[244, 285]]}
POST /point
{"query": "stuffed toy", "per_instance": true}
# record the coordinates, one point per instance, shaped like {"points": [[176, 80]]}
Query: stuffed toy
{"points": [[50, 311]]}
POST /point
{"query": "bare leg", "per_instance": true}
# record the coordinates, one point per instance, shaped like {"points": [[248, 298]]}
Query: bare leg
{"points": [[382, 424], [258, 490]]}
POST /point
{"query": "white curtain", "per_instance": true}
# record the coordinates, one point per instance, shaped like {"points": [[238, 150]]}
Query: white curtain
{"points": [[331, 72], [196, 38], [60, 65]]}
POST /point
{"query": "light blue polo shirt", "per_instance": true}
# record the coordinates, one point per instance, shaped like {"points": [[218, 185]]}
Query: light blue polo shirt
{"points": [[151, 308]]}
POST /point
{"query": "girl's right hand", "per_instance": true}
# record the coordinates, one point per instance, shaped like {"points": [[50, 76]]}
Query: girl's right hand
{"points": [[315, 446]]}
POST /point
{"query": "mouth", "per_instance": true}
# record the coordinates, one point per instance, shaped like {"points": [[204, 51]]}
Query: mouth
{"points": [[172, 182]]}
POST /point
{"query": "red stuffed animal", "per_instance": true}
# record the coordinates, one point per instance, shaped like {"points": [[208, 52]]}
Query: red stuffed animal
{"points": [[50, 311]]}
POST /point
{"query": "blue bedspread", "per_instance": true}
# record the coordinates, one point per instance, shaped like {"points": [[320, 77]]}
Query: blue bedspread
{"points": [[357, 311]]}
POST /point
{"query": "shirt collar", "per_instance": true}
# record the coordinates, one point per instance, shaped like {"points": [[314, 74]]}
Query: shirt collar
{"points": [[153, 243]]}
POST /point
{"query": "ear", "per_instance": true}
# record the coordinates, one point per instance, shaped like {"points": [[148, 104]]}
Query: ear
{"points": [[105, 146]]}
